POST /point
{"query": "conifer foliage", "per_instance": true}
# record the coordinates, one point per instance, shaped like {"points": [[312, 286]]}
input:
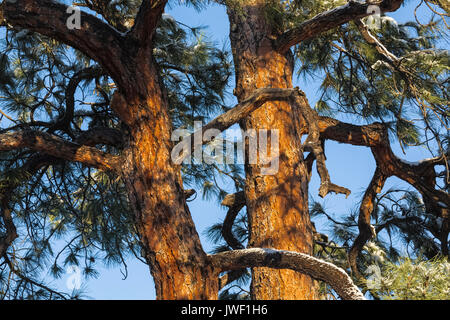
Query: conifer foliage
{"points": [[87, 114]]}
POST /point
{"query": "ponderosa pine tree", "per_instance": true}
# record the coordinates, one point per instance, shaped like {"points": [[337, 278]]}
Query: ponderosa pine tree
{"points": [[102, 170]]}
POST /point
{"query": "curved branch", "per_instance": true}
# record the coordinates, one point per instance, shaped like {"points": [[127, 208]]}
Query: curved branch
{"points": [[234, 115], [315, 145], [59, 148], [95, 38], [331, 19], [336, 277], [235, 202], [366, 230], [147, 20], [63, 122], [366, 135], [420, 175]]}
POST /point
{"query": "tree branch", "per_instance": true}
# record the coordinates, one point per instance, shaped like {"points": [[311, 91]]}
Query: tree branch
{"points": [[234, 115], [95, 38], [367, 35], [366, 135], [235, 202], [106, 136], [337, 278], [420, 175], [330, 19], [64, 121], [314, 145], [59, 148], [147, 20], [366, 230]]}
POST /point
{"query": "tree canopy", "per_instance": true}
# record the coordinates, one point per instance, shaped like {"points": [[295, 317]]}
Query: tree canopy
{"points": [[67, 117]]}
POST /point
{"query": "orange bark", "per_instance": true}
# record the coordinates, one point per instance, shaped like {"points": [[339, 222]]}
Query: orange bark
{"points": [[277, 205], [171, 244]]}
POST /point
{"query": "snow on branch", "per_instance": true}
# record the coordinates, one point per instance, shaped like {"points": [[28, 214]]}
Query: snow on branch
{"points": [[331, 19], [336, 277], [59, 148]]}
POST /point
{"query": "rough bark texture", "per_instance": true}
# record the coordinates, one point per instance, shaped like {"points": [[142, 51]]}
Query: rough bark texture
{"points": [[50, 144], [171, 244], [336, 277], [234, 115], [331, 19], [421, 175], [277, 205]]}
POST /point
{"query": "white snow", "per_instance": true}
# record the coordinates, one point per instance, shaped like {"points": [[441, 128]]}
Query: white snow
{"points": [[443, 205], [417, 163]]}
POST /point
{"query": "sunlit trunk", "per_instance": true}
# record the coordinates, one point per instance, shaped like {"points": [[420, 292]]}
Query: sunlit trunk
{"points": [[277, 205], [171, 244]]}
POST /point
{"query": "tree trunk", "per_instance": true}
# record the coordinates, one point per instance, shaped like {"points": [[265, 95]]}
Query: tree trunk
{"points": [[171, 244], [277, 205]]}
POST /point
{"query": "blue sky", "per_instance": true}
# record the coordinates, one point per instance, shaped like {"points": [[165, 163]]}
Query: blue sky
{"points": [[349, 166]]}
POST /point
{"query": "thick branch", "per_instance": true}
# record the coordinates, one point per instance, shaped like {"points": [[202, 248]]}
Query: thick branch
{"points": [[106, 136], [366, 230], [234, 115], [147, 20], [59, 148], [64, 121], [331, 19], [337, 278], [243, 109], [366, 135], [235, 202], [314, 145], [95, 38], [420, 175]]}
